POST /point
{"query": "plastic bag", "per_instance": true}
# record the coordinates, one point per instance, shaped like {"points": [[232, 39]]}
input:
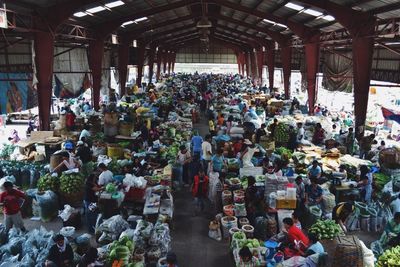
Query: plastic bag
{"points": [[160, 237], [66, 213], [48, 203], [114, 225], [214, 231], [3, 235], [14, 246], [9, 261], [67, 231], [129, 233], [27, 261]]}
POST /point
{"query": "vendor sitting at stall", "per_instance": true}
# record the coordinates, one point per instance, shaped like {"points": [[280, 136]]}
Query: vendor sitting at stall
{"points": [[341, 211], [365, 183], [313, 193], [314, 170], [267, 165], [391, 235], [315, 247], [260, 132], [60, 254], [69, 162], [30, 153], [83, 152], [319, 134], [254, 200], [296, 241], [106, 176]]}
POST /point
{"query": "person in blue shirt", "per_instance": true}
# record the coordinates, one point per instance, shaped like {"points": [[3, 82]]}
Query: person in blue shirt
{"points": [[315, 247], [314, 170], [218, 161], [196, 143], [313, 193]]}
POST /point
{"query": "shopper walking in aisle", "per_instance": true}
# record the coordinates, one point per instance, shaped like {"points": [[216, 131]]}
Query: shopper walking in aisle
{"points": [[349, 142], [199, 190], [196, 143], [206, 152], [12, 199], [182, 160]]}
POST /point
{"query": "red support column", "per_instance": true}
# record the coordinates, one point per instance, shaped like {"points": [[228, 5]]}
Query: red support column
{"points": [[312, 64], [286, 57], [164, 59], [248, 63], [169, 62], [96, 52], [260, 64], [159, 58], [140, 63], [123, 58], [362, 62], [152, 55], [254, 68], [44, 50], [173, 61], [271, 67]]}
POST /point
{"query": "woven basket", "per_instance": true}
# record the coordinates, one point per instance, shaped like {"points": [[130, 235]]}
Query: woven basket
{"points": [[348, 252]]}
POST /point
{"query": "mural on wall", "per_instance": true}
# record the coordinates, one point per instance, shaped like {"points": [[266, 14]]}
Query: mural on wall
{"points": [[62, 91], [16, 92]]}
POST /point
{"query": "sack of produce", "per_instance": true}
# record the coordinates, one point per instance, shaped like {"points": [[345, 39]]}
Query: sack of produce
{"points": [[72, 188], [48, 205]]}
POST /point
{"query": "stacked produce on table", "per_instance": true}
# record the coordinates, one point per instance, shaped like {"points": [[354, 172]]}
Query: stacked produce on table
{"points": [[72, 183], [121, 252], [48, 182], [327, 229], [390, 258]]}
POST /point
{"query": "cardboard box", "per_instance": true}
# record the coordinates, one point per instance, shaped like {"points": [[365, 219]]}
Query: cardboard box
{"points": [[286, 203]]}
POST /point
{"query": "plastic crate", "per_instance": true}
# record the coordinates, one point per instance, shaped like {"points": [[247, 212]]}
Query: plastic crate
{"points": [[135, 194]]}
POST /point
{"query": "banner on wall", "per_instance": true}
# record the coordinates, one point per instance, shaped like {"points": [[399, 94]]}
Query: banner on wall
{"points": [[63, 92], [389, 114], [16, 92]]}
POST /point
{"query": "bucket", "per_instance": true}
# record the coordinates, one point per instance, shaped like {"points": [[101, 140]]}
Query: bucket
{"points": [[115, 152], [227, 223], [364, 221], [238, 196], [233, 230], [125, 129], [228, 210], [243, 221], [248, 230], [226, 197]]}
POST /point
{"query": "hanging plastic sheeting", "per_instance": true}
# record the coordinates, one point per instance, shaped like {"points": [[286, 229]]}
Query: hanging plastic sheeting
{"points": [[71, 67], [105, 75], [338, 72]]}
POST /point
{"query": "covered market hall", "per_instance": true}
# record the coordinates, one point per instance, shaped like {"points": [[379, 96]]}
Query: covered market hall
{"points": [[198, 133]]}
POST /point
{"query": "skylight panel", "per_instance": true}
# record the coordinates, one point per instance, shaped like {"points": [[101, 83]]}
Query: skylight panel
{"points": [[114, 4], [95, 9], [294, 6]]}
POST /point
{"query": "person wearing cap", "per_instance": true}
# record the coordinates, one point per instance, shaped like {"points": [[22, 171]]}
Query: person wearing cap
{"points": [[248, 153], [60, 254], [11, 200], [83, 152]]}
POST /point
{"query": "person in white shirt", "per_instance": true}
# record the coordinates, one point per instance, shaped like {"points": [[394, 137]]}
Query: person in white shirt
{"points": [[106, 176], [248, 154], [300, 133], [206, 152], [68, 163]]}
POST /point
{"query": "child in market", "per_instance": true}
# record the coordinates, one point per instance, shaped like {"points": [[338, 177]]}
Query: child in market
{"points": [[247, 259]]}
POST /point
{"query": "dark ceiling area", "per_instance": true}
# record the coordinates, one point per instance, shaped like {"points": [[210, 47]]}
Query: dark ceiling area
{"points": [[172, 23]]}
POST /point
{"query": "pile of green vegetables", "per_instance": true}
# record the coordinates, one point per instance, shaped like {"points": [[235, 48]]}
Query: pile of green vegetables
{"points": [[239, 240], [285, 153], [121, 250], [6, 151], [390, 258], [72, 183], [380, 180], [281, 134], [48, 182], [327, 229]]}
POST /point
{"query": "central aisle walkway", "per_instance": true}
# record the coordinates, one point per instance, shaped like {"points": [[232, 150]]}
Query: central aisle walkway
{"points": [[190, 239]]}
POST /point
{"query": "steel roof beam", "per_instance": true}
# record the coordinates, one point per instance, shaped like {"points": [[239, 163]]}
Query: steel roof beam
{"points": [[387, 8]]}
